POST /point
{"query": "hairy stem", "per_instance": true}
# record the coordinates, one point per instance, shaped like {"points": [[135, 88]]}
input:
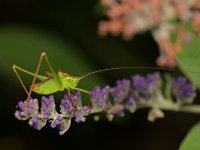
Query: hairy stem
{"points": [[190, 108], [165, 104]]}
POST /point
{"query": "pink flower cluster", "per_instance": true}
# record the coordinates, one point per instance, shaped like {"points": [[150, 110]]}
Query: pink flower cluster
{"points": [[130, 17]]}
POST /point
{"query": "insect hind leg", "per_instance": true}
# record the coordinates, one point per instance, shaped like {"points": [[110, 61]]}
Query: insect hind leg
{"points": [[54, 75], [36, 74]]}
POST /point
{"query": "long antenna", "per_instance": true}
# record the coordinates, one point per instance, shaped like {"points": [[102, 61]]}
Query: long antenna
{"points": [[118, 68]]}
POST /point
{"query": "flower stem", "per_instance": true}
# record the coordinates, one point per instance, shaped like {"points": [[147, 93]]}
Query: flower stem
{"points": [[191, 108]]}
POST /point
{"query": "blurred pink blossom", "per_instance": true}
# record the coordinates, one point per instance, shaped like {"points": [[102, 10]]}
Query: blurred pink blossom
{"points": [[130, 17]]}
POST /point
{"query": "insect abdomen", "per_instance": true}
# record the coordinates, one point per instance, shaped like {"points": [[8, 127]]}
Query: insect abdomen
{"points": [[46, 87]]}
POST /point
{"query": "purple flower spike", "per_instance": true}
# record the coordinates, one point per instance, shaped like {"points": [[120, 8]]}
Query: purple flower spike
{"points": [[121, 90], [127, 95], [48, 107], [27, 109]]}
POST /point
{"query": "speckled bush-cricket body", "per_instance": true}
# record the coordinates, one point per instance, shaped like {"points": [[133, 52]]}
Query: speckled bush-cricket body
{"points": [[51, 83]]}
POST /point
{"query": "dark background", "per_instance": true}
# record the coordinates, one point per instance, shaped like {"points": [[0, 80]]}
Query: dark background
{"points": [[75, 22]]}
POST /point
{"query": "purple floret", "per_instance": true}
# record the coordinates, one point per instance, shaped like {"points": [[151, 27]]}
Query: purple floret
{"points": [[73, 95], [67, 105], [37, 122], [99, 97], [87, 109], [48, 106], [129, 103], [153, 79], [121, 90], [61, 123], [21, 105], [181, 89], [138, 82], [117, 112], [153, 83], [79, 117], [56, 122], [27, 109], [145, 87], [71, 105], [71, 102]]}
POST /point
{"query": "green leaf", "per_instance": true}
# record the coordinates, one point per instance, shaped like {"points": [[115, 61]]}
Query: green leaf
{"points": [[192, 139], [189, 60]]}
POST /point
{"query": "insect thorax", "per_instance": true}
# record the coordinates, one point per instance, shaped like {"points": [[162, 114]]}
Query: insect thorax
{"points": [[69, 82]]}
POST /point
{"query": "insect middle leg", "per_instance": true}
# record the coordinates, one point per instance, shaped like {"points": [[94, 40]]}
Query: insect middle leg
{"points": [[79, 89]]}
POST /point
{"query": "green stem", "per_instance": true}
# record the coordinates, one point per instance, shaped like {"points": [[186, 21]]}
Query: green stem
{"points": [[190, 108], [165, 104]]}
